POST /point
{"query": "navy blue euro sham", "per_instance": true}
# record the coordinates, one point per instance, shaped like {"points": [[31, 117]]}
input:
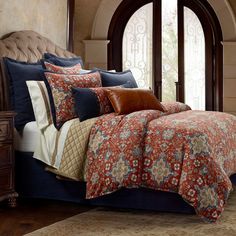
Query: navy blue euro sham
{"points": [[18, 73], [117, 78], [62, 61]]}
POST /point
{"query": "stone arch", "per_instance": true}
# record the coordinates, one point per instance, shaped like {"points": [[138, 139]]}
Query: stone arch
{"points": [[107, 8]]}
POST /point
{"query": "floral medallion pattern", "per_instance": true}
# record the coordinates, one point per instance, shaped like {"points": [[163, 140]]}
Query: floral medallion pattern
{"points": [[103, 100], [69, 70], [192, 153], [61, 85]]}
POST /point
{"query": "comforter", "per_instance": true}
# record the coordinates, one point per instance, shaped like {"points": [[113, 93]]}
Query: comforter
{"points": [[191, 153]]}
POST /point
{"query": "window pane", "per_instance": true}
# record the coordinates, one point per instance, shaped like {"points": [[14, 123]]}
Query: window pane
{"points": [[169, 50], [137, 46], [194, 47]]}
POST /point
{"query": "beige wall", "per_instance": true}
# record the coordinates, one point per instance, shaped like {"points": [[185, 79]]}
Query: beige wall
{"points": [[92, 22], [230, 77], [48, 17], [85, 11]]}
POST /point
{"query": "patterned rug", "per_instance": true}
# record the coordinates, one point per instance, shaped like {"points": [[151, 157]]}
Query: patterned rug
{"points": [[107, 222]]}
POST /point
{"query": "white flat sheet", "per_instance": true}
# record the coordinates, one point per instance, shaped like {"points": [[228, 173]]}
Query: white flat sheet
{"points": [[29, 139]]}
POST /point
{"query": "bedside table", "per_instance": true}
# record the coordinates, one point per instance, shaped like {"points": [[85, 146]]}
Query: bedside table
{"points": [[7, 158]]}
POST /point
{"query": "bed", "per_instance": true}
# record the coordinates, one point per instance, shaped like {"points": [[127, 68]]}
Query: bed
{"points": [[33, 181]]}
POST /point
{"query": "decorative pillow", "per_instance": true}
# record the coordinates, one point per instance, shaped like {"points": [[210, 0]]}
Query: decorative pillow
{"points": [[60, 94], [69, 70], [62, 61], [18, 73], [117, 78], [125, 101], [40, 101], [83, 71], [92, 102], [99, 69]]}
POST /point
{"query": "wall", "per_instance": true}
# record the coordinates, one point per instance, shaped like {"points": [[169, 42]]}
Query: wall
{"points": [[230, 70], [85, 12], [94, 17], [48, 17]]}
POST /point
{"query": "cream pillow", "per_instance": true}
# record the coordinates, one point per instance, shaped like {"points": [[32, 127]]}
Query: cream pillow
{"points": [[40, 102]]}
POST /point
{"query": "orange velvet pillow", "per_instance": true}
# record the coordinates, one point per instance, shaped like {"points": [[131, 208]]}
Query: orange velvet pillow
{"points": [[125, 101]]}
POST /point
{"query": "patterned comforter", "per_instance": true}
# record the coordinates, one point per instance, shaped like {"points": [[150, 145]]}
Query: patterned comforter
{"points": [[191, 153]]}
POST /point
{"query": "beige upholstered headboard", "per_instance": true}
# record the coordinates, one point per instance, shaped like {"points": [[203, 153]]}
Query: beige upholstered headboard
{"points": [[27, 46]]}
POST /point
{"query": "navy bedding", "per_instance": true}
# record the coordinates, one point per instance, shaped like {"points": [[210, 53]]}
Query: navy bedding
{"points": [[32, 181]]}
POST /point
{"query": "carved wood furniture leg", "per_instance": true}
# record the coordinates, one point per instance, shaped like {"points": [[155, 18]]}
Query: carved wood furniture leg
{"points": [[12, 202], [7, 158]]}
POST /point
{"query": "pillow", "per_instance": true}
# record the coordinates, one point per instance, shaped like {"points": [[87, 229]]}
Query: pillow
{"points": [[99, 69], [60, 94], [92, 102], [18, 73], [69, 70], [117, 78], [40, 101], [62, 61], [125, 101], [83, 71]]}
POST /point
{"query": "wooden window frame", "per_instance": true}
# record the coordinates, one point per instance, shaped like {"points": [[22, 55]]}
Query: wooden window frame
{"points": [[213, 39]]}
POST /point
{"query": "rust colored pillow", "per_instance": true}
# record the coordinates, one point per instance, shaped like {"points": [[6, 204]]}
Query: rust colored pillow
{"points": [[125, 101]]}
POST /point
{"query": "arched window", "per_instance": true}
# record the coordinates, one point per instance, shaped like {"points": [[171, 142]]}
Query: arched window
{"points": [[172, 46]]}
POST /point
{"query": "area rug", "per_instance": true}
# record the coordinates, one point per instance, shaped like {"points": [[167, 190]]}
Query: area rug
{"points": [[110, 222]]}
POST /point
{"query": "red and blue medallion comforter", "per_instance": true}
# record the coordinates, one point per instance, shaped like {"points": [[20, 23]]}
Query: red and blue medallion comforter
{"points": [[191, 153]]}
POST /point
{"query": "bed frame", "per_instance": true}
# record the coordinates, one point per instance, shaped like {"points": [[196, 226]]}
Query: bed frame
{"points": [[27, 46], [32, 181]]}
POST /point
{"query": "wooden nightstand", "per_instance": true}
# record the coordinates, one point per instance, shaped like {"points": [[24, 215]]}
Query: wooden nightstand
{"points": [[7, 175]]}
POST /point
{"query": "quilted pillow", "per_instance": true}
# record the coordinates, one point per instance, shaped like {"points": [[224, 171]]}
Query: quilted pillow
{"points": [[70, 70], [18, 73], [125, 101], [92, 102], [59, 88], [117, 78], [62, 61]]}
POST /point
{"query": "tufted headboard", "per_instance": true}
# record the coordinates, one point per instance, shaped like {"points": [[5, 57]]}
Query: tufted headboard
{"points": [[27, 46]]}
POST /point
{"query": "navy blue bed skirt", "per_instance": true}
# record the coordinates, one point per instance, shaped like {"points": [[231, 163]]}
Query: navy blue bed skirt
{"points": [[32, 181]]}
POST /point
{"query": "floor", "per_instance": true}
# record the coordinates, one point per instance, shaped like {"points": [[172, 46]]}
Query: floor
{"points": [[30, 215]]}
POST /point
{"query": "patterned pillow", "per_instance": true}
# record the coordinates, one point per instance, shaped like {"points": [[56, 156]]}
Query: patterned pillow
{"points": [[93, 102], [60, 93], [69, 70]]}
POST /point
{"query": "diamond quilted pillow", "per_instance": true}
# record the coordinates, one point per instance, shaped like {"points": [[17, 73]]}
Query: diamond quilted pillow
{"points": [[59, 88]]}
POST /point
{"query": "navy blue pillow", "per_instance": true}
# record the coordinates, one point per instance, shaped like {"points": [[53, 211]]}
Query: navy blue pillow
{"points": [[117, 78], [86, 103], [62, 61], [18, 73], [92, 102]]}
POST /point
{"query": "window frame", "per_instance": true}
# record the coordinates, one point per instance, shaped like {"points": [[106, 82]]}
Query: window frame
{"points": [[213, 39]]}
